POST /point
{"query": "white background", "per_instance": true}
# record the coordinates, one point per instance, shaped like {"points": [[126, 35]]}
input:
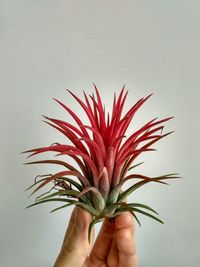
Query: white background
{"points": [[151, 46]]}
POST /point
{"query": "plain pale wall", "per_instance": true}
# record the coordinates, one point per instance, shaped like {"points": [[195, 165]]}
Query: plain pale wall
{"points": [[151, 46]]}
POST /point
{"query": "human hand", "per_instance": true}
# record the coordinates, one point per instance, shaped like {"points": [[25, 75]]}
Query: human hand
{"points": [[114, 246]]}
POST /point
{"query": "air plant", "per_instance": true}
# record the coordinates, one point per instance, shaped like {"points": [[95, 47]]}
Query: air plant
{"points": [[105, 159]]}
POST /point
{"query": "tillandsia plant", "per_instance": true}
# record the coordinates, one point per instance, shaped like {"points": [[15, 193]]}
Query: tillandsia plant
{"points": [[104, 156]]}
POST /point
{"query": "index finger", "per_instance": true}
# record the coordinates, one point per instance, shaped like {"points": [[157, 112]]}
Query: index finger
{"points": [[103, 242], [125, 240]]}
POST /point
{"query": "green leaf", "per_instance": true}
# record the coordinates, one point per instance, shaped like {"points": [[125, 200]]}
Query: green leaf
{"points": [[112, 199], [136, 218], [71, 193], [90, 227], [123, 209], [116, 214], [147, 214], [142, 206], [126, 207], [87, 207], [158, 179], [64, 206], [37, 182], [77, 185], [97, 197], [108, 211], [68, 193], [49, 200], [127, 192], [134, 166]]}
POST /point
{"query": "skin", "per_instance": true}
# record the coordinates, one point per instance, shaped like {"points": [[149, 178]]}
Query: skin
{"points": [[114, 246]]}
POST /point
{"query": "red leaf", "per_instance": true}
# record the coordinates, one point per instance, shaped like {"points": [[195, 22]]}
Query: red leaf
{"points": [[73, 115], [110, 162], [144, 147], [58, 162], [94, 146], [98, 139], [137, 133], [101, 110], [61, 123], [70, 135], [85, 108], [89, 161]]}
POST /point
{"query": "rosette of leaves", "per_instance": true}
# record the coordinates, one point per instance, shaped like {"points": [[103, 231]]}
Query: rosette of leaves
{"points": [[104, 156]]}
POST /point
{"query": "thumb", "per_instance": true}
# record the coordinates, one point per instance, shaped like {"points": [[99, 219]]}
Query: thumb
{"points": [[76, 247]]}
